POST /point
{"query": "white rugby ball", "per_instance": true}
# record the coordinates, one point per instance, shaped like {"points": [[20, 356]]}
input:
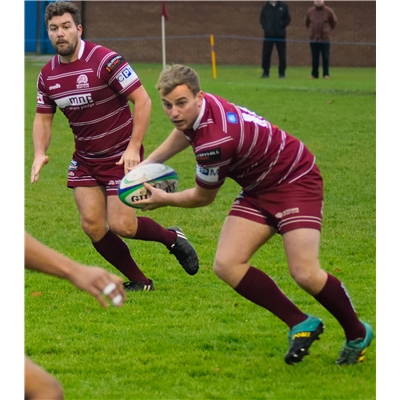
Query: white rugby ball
{"points": [[160, 176]]}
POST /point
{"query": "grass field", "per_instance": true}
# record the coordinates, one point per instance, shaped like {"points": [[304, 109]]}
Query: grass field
{"points": [[194, 337]]}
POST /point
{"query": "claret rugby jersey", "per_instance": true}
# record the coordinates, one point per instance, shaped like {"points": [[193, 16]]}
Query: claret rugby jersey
{"points": [[91, 92], [231, 141]]}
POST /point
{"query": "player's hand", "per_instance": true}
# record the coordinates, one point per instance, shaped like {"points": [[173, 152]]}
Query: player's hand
{"points": [[156, 200], [100, 283], [37, 165], [130, 159]]}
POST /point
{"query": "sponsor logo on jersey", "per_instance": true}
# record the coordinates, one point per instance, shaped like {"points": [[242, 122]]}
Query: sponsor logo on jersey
{"points": [[56, 86], [209, 175], [287, 212], [232, 117], [39, 98], [79, 100], [82, 82], [209, 155], [113, 63], [126, 77]]}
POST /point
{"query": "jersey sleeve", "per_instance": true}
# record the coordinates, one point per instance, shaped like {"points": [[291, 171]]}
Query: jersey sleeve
{"points": [[119, 74], [44, 105], [213, 163]]}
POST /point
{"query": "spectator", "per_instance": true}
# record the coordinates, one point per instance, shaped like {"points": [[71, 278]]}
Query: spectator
{"points": [[274, 19], [320, 20]]}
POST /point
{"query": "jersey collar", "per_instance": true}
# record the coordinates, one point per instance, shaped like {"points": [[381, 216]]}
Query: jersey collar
{"points": [[81, 50], [200, 116]]}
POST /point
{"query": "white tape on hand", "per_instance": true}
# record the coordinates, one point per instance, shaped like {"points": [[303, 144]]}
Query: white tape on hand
{"points": [[117, 300], [109, 288]]}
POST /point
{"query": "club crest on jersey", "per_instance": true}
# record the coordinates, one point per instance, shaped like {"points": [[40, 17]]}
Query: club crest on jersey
{"points": [[232, 117], [82, 82]]}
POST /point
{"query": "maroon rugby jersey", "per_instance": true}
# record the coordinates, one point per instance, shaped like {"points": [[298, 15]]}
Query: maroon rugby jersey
{"points": [[231, 141], [91, 92]]}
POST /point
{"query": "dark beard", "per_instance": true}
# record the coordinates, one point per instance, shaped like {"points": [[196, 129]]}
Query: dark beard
{"points": [[65, 51]]}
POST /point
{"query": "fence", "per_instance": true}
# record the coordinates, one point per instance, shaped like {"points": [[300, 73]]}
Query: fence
{"points": [[133, 28]]}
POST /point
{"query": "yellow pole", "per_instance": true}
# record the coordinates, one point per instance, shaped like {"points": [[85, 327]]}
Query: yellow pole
{"points": [[214, 67]]}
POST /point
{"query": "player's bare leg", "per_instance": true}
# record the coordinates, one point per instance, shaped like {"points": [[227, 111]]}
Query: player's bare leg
{"points": [[302, 251], [121, 218], [92, 203], [92, 206], [239, 240], [123, 221]]}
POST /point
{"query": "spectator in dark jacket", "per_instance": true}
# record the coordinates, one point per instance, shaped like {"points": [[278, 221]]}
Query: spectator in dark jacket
{"points": [[274, 19], [320, 20]]}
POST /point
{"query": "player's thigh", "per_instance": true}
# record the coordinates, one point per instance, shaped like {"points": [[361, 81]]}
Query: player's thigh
{"points": [[121, 218], [39, 384], [239, 239], [91, 204]]}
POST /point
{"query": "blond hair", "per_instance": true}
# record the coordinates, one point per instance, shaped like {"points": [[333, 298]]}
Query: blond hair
{"points": [[176, 75]]}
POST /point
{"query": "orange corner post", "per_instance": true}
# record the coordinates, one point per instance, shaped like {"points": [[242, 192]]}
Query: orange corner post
{"points": [[213, 63]]}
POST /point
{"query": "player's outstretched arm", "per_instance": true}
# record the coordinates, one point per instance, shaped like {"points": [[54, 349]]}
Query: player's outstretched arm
{"points": [[173, 144], [94, 280]]}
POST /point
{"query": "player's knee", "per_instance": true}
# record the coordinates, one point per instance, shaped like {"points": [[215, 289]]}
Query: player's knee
{"points": [[124, 227], [222, 269], [309, 280], [93, 229]]}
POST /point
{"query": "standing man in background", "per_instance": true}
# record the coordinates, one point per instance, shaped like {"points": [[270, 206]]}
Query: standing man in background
{"points": [[274, 19], [320, 20]]}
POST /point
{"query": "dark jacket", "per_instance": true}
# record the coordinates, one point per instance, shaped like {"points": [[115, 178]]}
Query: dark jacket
{"points": [[275, 19]]}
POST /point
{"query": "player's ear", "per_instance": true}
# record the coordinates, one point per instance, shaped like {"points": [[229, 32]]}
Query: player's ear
{"points": [[200, 97]]}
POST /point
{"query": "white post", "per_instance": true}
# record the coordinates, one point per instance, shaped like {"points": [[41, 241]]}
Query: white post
{"points": [[163, 40]]}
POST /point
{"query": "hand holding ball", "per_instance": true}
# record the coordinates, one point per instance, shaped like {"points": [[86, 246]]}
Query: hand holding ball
{"points": [[131, 188]]}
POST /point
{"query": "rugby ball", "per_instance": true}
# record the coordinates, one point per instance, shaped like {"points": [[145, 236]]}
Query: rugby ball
{"points": [[160, 176]]}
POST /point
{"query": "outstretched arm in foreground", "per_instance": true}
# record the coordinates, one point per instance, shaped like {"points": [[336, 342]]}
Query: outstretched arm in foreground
{"points": [[94, 280]]}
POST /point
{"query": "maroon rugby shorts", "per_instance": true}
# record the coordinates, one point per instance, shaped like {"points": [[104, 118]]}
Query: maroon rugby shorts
{"points": [[102, 173], [286, 207]]}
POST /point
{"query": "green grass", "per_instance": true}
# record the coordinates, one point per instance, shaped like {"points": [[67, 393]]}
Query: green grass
{"points": [[194, 337]]}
